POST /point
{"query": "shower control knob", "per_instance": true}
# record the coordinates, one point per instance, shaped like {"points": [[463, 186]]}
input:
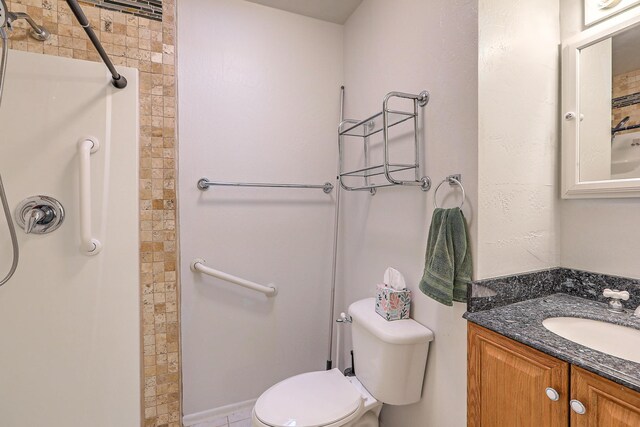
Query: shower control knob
{"points": [[39, 215]]}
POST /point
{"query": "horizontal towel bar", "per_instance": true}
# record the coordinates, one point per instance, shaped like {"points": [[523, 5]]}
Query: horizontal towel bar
{"points": [[198, 265], [204, 184]]}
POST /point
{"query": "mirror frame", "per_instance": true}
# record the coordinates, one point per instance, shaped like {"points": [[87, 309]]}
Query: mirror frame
{"points": [[572, 187]]}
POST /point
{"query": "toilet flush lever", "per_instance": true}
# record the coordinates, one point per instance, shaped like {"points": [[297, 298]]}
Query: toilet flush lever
{"points": [[344, 318]]}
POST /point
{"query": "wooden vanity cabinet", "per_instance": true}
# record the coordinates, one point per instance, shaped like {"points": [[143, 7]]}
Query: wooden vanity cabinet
{"points": [[607, 404], [508, 381]]}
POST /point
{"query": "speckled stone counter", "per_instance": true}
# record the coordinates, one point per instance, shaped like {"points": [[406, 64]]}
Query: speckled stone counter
{"points": [[522, 322], [497, 292], [501, 291]]}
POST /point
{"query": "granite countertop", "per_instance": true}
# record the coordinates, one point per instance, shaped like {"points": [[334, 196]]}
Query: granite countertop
{"points": [[522, 322]]}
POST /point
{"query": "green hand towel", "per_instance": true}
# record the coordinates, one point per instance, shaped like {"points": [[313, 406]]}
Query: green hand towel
{"points": [[447, 270]]}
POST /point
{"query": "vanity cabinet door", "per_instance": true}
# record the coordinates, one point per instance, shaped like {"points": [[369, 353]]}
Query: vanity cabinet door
{"points": [[606, 403], [507, 384]]}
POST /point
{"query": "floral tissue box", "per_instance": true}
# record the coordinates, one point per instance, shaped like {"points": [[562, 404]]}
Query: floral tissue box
{"points": [[392, 304]]}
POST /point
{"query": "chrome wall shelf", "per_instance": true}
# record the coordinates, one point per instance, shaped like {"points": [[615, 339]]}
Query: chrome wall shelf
{"points": [[360, 179]]}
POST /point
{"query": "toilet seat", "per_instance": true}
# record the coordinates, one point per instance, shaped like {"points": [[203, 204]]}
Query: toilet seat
{"points": [[315, 399]]}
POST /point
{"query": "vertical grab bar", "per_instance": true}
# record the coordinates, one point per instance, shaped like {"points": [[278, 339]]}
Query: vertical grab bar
{"points": [[86, 147]]}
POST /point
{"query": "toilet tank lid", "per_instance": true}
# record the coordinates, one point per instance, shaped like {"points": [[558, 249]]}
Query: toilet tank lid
{"points": [[406, 331]]}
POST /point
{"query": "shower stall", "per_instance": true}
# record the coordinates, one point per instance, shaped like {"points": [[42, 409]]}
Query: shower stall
{"points": [[69, 323]]}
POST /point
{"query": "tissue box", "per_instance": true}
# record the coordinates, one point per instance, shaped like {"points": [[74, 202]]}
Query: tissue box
{"points": [[392, 304]]}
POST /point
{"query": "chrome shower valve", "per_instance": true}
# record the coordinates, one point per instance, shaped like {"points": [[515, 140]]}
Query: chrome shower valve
{"points": [[39, 215]]}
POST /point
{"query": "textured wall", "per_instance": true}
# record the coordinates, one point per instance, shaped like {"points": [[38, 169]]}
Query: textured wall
{"points": [[598, 235], [148, 46], [412, 45], [518, 137]]}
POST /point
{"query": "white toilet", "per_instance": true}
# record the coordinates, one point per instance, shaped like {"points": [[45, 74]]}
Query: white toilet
{"points": [[390, 361]]}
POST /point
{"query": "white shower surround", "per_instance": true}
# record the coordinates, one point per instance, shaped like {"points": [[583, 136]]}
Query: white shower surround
{"points": [[70, 323]]}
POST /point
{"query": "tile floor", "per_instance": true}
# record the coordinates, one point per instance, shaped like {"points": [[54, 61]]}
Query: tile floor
{"points": [[240, 418]]}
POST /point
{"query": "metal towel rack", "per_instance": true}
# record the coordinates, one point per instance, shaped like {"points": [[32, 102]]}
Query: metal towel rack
{"points": [[452, 180], [198, 265], [204, 184], [381, 122]]}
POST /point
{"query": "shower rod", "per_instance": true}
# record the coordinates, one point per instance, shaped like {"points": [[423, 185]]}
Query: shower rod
{"points": [[117, 80]]}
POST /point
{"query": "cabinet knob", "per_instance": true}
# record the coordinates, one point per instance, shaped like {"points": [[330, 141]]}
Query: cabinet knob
{"points": [[578, 407], [552, 394]]}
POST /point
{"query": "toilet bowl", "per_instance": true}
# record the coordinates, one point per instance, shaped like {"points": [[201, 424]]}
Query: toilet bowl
{"points": [[317, 399], [390, 360]]}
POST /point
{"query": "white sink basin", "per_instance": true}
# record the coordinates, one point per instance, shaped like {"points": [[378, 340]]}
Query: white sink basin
{"points": [[625, 156], [616, 340]]}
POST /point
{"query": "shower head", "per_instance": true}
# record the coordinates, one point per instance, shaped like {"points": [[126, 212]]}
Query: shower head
{"points": [[38, 32]]}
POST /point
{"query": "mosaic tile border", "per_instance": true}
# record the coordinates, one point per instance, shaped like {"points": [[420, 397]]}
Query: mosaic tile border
{"points": [[626, 101], [150, 9]]}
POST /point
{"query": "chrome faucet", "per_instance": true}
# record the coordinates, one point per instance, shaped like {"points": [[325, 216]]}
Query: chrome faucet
{"points": [[616, 296]]}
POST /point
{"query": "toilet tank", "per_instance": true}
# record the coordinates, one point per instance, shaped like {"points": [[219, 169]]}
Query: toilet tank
{"points": [[390, 357]]}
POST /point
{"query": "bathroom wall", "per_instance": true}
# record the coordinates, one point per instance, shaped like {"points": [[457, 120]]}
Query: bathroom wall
{"points": [[259, 103], [69, 323], [149, 46], [597, 235], [412, 45], [518, 137]]}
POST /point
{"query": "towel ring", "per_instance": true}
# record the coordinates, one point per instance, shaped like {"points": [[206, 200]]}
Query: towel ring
{"points": [[450, 180]]}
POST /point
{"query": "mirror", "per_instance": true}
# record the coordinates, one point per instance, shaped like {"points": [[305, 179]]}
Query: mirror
{"points": [[601, 100], [599, 10]]}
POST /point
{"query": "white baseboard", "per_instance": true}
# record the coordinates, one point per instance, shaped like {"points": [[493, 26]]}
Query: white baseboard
{"points": [[212, 414]]}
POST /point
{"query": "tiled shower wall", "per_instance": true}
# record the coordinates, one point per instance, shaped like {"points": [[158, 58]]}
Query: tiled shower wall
{"points": [[626, 85], [148, 45]]}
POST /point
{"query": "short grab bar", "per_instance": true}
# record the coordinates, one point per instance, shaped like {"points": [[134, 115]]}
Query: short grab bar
{"points": [[86, 147], [197, 265]]}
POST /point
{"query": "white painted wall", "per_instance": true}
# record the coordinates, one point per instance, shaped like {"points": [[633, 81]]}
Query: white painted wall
{"points": [[597, 235], [259, 102], [518, 136], [70, 323], [411, 45]]}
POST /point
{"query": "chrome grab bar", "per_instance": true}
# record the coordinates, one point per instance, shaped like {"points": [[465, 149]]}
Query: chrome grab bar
{"points": [[198, 265], [86, 147], [204, 184]]}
